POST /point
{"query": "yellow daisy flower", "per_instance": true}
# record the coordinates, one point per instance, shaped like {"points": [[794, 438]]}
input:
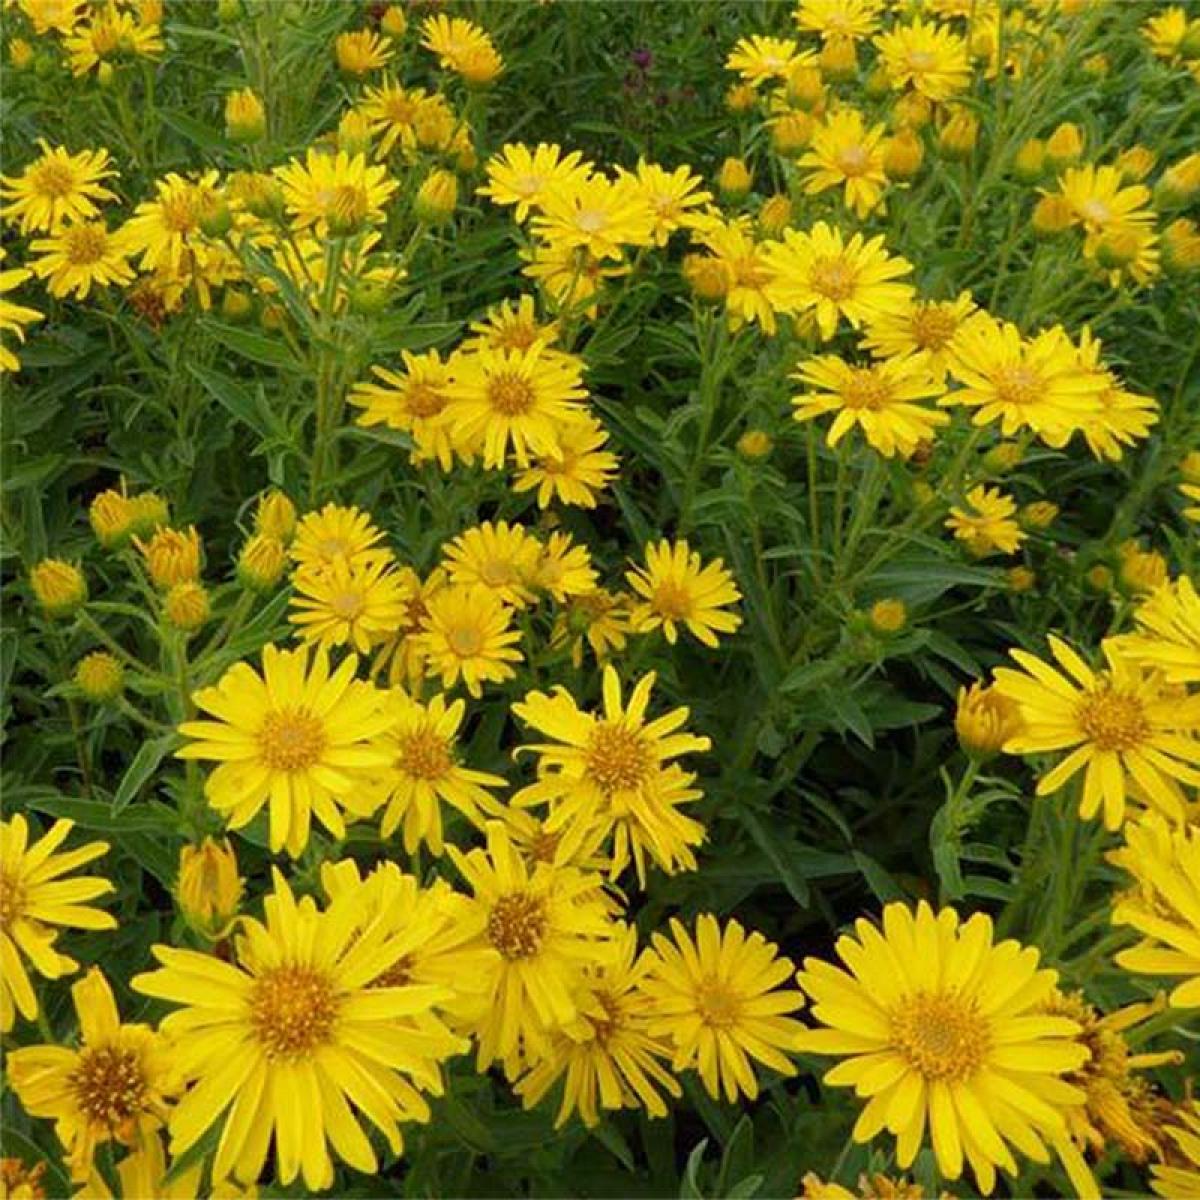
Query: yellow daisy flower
{"points": [[988, 525], [614, 1062], [1120, 723], [109, 33], [1121, 418], [1168, 637], [883, 399], [511, 325], [523, 177], [546, 924], [337, 532], [1099, 199], [853, 20], [412, 402], [14, 317], [391, 111], [425, 773], [1182, 1180], [614, 771], [518, 399], [334, 192], [342, 605], [361, 51], [673, 197], [574, 470], [34, 900], [570, 277], [928, 326], [271, 1043], [759, 59], [1166, 30], [57, 16], [745, 264], [439, 931], [1024, 383], [1164, 903], [56, 188], [499, 556], [596, 214], [820, 272], [165, 231], [720, 1003], [598, 617], [468, 633], [930, 59], [456, 41], [115, 1087], [845, 151], [674, 588], [78, 257], [939, 1026], [563, 569], [296, 735]]}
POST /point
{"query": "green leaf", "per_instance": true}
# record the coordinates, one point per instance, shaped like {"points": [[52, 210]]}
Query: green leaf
{"points": [[145, 763], [188, 127], [270, 352], [768, 842], [94, 814], [233, 397]]}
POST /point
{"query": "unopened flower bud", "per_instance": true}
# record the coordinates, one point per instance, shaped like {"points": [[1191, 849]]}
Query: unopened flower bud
{"points": [[59, 587], [100, 677], [209, 890]]}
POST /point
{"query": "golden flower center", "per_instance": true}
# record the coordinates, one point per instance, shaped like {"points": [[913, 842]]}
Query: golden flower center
{"points": [[1095, 210], [510, 394], [12, 898], [422, 400], [672, 600], [617, 758], [591, 220], [942, 1035], [466, 641], [109, 1085], [865, 389], [932, 327], [1113, 720], [527, 185], [331, 547], [749, 272], [497, 572], [84, 244], [921, 60], [833, 277], [347, 605], [717, 1005], [53, 179], [291, 739], [854, 160], [178, 212], [1018, 385], [423, 755], [399, 110], [517, 925], [293, 1011]]}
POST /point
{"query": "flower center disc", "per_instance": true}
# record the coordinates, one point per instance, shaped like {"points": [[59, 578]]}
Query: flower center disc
{"points": [[292, 1011], [510, 395], [109, 1085], [716, 1004], [53, 179], [932, 327], [617, 758], [423, 755], [12, 899], [941, 1035], [834, 278], [1113, 720], [291, 739], [517, 925], [1018, 385], [864, 389]]}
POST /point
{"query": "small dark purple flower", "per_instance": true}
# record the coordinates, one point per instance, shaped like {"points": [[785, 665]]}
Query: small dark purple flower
{"points": [[642, 59]]}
